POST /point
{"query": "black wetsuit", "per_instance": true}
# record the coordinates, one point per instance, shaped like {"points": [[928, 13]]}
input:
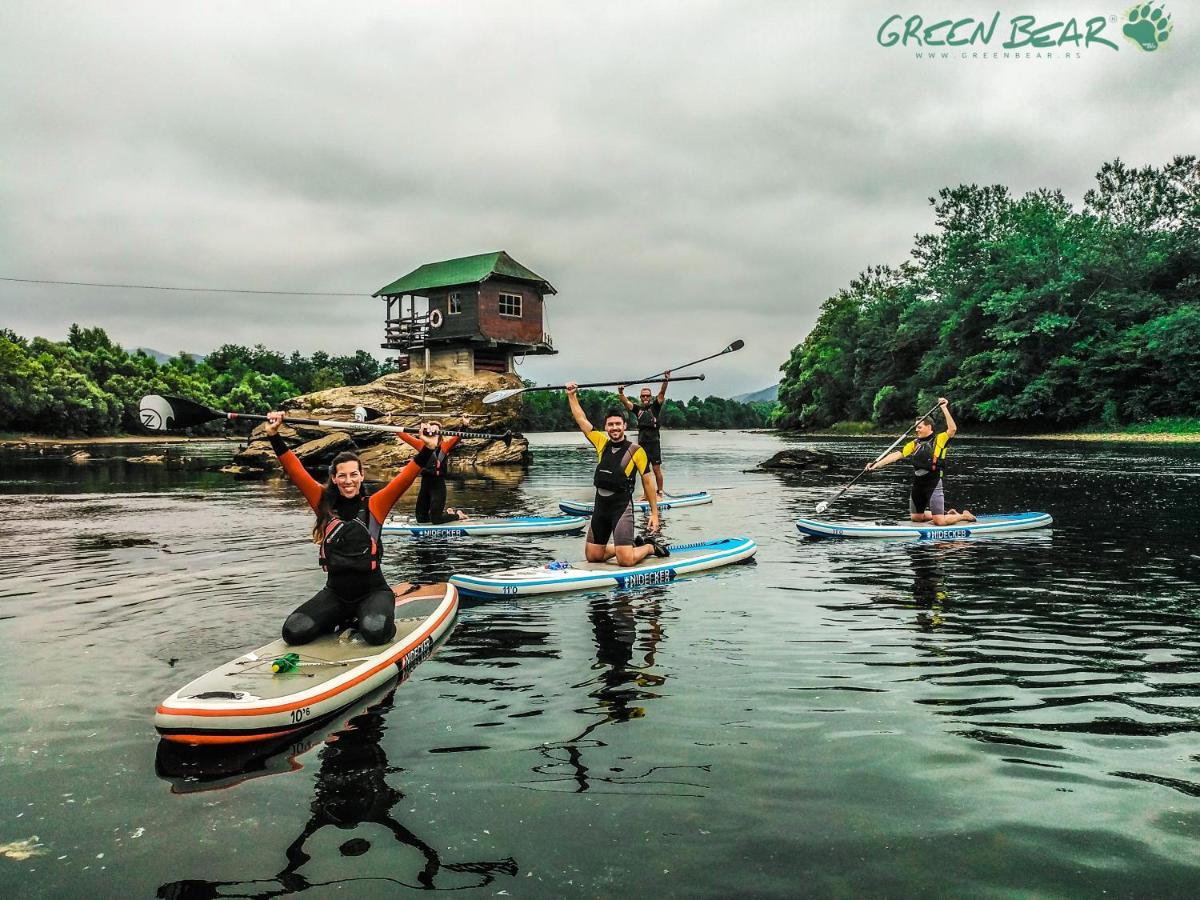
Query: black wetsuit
{"points": [[355, 589], [431, 499], [648, 429]]}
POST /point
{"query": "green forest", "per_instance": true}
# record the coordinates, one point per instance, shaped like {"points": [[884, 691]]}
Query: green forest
{"points": [[548, 411], [1027, 313], [87, 385]]}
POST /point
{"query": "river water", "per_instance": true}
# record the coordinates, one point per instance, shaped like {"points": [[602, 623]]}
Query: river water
{"points": [[996, 717]]}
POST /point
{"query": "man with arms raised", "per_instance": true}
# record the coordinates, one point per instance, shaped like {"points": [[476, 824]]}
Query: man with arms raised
{"points": [[927, 502], [619, 461], [648, 412]]}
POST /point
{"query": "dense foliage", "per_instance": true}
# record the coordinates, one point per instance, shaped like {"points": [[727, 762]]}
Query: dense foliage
{"points": [[548, 411], [1025, 312], [88, 385]]}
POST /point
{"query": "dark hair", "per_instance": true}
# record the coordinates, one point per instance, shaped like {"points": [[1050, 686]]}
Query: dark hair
{"points": [[615, 413], [926, 420], [330, 493]]}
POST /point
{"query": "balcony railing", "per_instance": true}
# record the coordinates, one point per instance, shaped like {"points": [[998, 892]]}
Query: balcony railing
{"points": [[408, 333]]}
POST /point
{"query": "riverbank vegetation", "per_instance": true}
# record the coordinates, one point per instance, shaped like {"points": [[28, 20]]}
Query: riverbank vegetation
{"points": [[548, 411], [89, 386], [1030, 315]]}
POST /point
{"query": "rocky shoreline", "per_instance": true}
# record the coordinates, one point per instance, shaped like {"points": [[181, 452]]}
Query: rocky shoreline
{"points": [[402, 398]]}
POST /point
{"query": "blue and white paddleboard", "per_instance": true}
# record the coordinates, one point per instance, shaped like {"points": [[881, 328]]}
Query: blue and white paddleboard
{"points": [[670, 501], [996, 524], [487, 527], [556, 577]]}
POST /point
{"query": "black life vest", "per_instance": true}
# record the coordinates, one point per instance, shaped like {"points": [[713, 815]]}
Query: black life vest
{"points": [[646, 419], [610, 470], [351, 545], [436, 464], [925, 457]]}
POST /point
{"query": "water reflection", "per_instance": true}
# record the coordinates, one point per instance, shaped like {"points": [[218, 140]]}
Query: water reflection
{"points": [[628, 633], [352, 789]]}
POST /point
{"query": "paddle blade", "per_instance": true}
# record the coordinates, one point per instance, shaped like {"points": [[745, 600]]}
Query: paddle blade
{"points": [[159, 413], [366, 414], [736, 345], [507, 439], [498, 396], [821, 507]]}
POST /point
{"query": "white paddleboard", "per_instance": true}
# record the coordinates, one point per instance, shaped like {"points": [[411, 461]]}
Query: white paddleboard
{"points": [[995, 524], [557, 577], [670, 501], [243, 700], [487, 527]]}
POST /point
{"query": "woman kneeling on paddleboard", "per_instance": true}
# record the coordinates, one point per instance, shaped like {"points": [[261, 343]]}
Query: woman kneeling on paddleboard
{"points": [[431, 499], [349, 531]]}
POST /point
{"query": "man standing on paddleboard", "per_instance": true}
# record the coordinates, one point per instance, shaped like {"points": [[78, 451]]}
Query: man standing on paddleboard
{"points": [[927, 500], [648, 412], [619, 461]]}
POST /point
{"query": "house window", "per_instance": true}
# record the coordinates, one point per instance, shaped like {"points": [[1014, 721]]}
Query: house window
{"points": [[510, 305], [455, 307]]}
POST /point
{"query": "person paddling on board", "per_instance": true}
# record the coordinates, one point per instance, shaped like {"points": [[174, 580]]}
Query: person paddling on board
{"points": [[431, 499], [619, 462], [648, 412], [927, 452], [349, 530]]}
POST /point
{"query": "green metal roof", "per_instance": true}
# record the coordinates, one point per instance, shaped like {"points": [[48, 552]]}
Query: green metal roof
{"points": [[465, 270]]}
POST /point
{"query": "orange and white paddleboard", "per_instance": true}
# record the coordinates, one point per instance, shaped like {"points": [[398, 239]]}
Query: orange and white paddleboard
{"points": [[245, 700]]}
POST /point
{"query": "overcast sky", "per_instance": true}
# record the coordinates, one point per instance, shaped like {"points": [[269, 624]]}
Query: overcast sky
{"points": [[684, 173]]}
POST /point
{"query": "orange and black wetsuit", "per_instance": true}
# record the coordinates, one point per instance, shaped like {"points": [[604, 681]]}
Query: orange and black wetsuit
{"points": [[360, 593], [431, 499]]}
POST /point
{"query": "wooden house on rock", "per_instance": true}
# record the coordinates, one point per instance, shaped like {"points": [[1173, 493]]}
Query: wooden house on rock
{"points": [[470, 315]]}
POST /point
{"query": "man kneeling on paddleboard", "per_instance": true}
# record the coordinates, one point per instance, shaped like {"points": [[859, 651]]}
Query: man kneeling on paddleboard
{"points": [[349, 530], [619, 460], [927, 501]]}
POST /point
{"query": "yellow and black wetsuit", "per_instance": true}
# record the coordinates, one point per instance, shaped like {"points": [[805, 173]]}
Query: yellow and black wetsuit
{"points": [[617, 468], [928, 456]]}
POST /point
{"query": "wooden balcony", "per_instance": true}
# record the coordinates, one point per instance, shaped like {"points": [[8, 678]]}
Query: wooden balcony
{"points": [[410, 333]]}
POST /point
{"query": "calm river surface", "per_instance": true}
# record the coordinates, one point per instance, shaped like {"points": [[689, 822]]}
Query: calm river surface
{"points": [[998, 717]]}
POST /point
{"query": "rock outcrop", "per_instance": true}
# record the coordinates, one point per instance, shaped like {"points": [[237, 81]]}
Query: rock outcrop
{"points": [[801, 460], [403, 398]]}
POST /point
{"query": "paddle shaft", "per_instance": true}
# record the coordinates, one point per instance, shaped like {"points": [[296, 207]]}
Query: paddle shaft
{"points": [[652, 380], [736, 345], [363, 426], [823, 505]]}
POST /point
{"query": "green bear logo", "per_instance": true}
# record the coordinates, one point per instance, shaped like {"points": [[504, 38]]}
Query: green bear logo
{"points": [[1148, 27]]}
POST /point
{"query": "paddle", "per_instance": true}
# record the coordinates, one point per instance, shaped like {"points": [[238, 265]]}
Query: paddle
{"points": [[732, 348], [497, 396], [159, 413], [824, 504]]}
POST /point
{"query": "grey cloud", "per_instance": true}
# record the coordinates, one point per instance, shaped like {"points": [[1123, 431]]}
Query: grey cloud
{"points": [[683, 174]]}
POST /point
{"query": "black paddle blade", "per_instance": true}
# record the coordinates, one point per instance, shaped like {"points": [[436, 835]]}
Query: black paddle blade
{"points": [[366, 414], [158, 413], [507, 438], [736, 345]]}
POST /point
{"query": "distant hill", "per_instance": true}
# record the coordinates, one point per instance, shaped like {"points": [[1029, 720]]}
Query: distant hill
{"points": [[766, 395], [159, 357]]}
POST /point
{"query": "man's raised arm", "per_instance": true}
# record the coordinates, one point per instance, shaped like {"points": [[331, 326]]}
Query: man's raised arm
{"points": [[577, 412]]}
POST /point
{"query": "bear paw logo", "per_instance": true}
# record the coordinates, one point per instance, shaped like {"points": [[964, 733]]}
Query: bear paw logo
{"points": [[1148, 27]]}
